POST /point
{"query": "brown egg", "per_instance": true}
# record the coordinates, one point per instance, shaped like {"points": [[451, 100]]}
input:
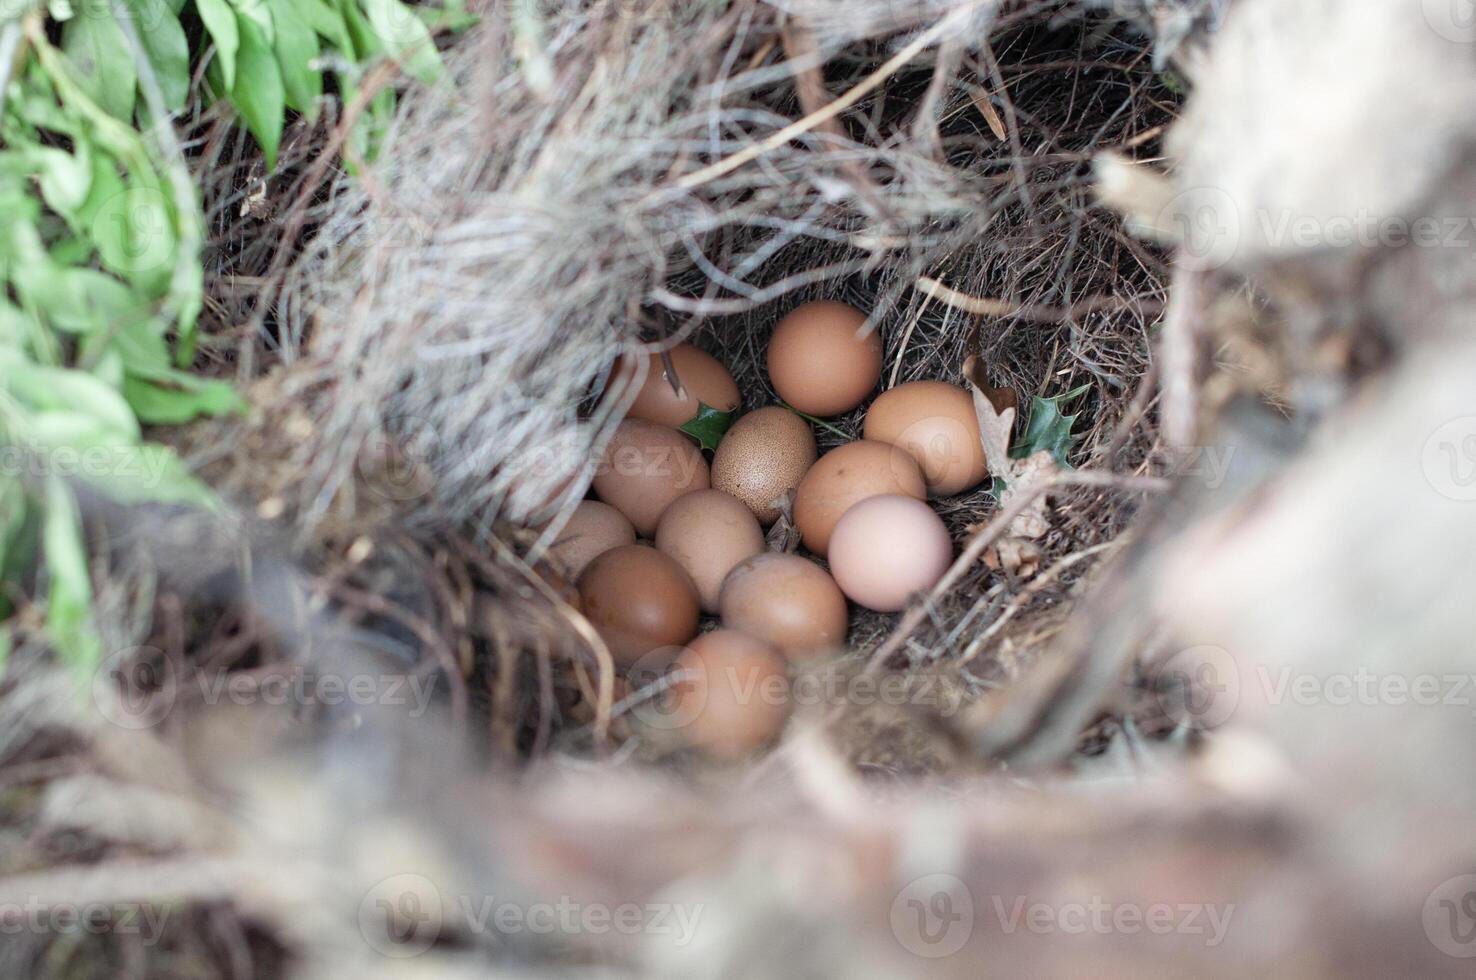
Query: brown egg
{"points": [[640, 600], [845, 476], [788, 601], [708, 532], [886, 549], [764, 456], [593, 529], [732, 695], [703, 379], [819, 364], [645, 467], [936, 424]]}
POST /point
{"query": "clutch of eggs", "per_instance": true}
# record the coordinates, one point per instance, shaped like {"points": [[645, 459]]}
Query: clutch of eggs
{"points": [[672, 537]]}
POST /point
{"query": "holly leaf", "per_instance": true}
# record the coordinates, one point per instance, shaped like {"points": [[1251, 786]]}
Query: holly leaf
{"points": [[1049, 427], [708, 426]]}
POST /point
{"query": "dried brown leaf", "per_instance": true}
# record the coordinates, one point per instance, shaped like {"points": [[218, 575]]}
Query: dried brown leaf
{"points": [[784, 537], [996, 409]]}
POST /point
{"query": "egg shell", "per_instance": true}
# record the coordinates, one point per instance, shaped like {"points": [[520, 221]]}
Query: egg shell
{"points": [[764, 456], [731, 695], [886, 549], [640, 600], [703, 379], [819, 364], [936, 424], [844, 477], [787, 601], [707, 532], [593, 529], [644, 468]]}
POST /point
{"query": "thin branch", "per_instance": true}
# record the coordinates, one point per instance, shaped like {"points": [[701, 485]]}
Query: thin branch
{"points": [[815, 119], [1023, 498]]}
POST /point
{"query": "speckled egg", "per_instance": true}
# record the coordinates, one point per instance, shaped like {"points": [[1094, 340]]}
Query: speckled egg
{"points": [[819, 363], [788, 601], [639, 600], [764, 455], [702, 378], [844, 477], [936, 424], [707, 532], [644, 468], [886, 549]]}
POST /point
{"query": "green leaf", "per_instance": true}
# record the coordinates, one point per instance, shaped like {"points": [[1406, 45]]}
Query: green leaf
{"points": [[220, 21], [69, 608], [708, 425], [297, 47], [1049, 427], [365, 44], [94, 44], [104, 185], [65, 179], [258, 93], [16, 546], [328, 21], [188, 398], [405, 38], [168, 51], [260, 14], [126, 472], [142, 349], [81, 301], [134, 232], [46, 389]]}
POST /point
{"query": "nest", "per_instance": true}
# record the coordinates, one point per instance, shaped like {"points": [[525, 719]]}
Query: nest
{"points": [[424, 342], [621, 177]]}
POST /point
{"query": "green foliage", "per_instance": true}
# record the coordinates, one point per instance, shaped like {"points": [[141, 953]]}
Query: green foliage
{"points": [[708, 426], [1049, 427], [101, 280], [270, 56]]}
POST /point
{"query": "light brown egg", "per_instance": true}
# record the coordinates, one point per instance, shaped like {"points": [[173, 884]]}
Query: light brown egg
{"points": [[708, 532], [819, 364], [733, 693], [703, 379], [593, 529], [764, 455], [788, 601], [936, 424], [645, 467], [639, 600], [845, 476], [888, 548]]}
